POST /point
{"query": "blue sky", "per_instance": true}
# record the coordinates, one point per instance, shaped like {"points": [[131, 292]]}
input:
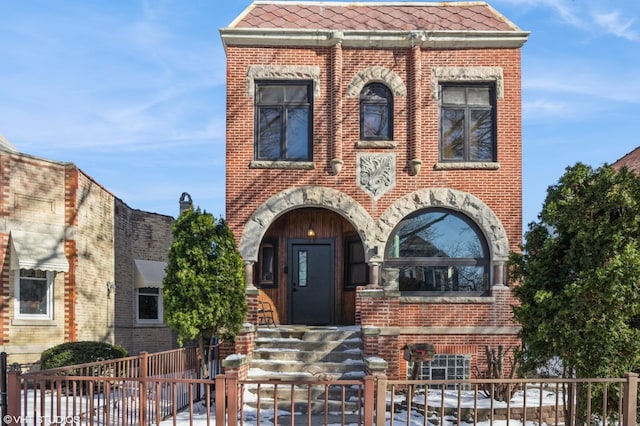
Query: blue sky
{"points": [[133, 91]]}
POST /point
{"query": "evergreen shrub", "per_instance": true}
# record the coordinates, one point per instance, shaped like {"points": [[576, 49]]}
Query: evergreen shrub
{"points": [[73, 353]]}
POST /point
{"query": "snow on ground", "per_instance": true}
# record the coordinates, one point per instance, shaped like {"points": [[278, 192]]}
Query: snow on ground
{"points": [[250, 415]]}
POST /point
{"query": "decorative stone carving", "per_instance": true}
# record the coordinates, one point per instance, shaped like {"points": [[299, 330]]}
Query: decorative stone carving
{"points": [[336, 166], [379, 74], [307, 196], [416, 165], [283, 72], [374, 233], [452, 199], [439, 74], [390, 278], [376, 173]]}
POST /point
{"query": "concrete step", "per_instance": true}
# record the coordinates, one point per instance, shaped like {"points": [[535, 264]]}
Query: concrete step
{"points": [[306, 354], [265, 353], [318, 369], [329, 351], [309, 333]]}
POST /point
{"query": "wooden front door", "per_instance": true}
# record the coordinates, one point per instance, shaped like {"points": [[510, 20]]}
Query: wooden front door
{"points": [[311, 282]]}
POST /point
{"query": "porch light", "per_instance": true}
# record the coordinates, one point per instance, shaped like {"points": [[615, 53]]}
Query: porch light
{"points": [[311, 233]]}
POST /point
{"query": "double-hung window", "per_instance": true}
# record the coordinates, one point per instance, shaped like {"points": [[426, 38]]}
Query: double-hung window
{"points": [[284, 117], [148, 279], [34, 289], [467, 123]]}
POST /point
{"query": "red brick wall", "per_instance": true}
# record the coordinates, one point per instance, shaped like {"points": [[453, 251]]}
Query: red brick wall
{"points": [[499, 189], [246, 188]]}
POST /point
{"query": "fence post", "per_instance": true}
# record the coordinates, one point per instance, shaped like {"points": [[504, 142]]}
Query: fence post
{"points": [[13, 398], [381, 400], [220, 401], [3, 385], [232, 398], [142, 412], [630, 399], [369, 399]]}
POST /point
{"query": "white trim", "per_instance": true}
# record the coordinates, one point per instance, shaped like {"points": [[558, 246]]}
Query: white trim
{"points": [[467, 74], [149, 273], [283, 72], [160, 319], [17, 315], [285, 37], [33, 250]]}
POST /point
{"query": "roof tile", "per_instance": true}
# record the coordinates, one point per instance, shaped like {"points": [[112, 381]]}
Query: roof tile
{"points": [[342, 16]]}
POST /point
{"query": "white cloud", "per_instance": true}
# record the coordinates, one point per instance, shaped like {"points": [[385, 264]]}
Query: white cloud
{"points": [[581, 14], [614, 23]]}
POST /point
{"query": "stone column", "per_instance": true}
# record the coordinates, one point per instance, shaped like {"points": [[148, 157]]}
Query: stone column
{"points": [[251, 293], [415, 110], [335, 96], [498, 273], [390, 278], [374, 274], [248, 273]]}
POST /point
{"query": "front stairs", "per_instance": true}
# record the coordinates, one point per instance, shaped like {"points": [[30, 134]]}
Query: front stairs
{"points": [[303, 354]]}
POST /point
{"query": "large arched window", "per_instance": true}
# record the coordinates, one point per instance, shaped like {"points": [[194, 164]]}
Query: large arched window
{"points": [[439, 251], [376, 112]]}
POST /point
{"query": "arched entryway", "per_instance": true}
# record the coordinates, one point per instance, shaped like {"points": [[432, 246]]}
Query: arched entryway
{"points": [[310, 260]]}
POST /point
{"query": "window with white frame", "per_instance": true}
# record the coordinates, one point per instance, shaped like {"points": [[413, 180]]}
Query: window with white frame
{"points": [[149, 304], [34, 294]]}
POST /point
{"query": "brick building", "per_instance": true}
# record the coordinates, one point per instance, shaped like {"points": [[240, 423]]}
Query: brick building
{"points": [[77, 263], [374, 170]]}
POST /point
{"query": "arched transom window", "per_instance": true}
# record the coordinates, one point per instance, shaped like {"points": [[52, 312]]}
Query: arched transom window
{"points": [[439, 251]]}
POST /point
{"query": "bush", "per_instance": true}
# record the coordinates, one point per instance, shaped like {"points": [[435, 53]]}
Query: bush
{"points": [[72, 353]]}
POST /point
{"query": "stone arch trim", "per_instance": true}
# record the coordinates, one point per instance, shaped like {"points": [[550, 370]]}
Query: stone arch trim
{"points": [[283, 72], [453, 199], [306, 196], [467, 74], [376, 74]]}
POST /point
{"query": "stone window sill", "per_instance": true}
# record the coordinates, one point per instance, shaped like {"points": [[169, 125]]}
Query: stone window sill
{"points": [[446, 299], [34, 322], [291, 165], [467, 165], [139, 324], [375, 144]]}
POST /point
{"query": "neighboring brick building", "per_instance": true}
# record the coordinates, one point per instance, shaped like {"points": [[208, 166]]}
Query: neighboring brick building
{"points": [[374, 170], [72, 258]]}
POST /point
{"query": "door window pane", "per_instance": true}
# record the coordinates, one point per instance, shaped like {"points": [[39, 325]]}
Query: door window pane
{"points": [[302, 268]]}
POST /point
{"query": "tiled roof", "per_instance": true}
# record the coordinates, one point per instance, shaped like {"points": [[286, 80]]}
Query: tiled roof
{"points": [[374, 16], [631, 161]]}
